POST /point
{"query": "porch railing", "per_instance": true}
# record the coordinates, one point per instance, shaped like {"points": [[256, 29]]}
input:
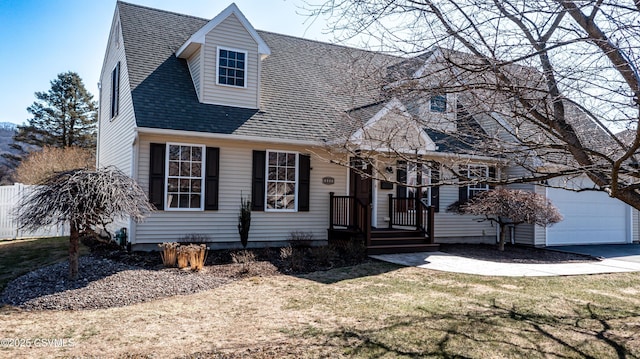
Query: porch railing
{"points": [[350, 213], [412, 212]]}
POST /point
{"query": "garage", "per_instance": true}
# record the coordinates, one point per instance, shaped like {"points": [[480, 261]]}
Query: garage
{"points": [[589, 218]]}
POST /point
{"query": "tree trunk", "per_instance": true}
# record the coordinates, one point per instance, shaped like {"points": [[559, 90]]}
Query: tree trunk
{"points": [[74, 246], [503, 237]]}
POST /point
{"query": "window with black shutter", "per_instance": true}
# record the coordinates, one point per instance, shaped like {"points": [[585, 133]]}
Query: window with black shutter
{"points": [[281, 181], [183, 176], [476, 174]]}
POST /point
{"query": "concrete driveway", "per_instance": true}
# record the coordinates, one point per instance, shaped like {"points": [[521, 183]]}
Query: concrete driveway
{"points": [[621, 252]]}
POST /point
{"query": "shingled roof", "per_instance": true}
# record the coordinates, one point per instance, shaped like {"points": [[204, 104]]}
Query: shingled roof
{"points": [[306, 86]]}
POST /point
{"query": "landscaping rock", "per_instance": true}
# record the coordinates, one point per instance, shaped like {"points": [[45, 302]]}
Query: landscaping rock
{"points": [[103, 283]]}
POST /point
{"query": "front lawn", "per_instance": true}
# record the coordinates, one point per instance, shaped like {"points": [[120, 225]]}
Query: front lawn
{"points": [[370, 310]]}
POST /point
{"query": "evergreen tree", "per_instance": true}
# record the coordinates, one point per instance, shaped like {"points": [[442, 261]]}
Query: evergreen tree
{"points": [[64, 116]]}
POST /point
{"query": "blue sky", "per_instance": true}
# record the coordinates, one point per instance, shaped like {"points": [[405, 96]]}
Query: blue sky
{"points": [[42, 38]]}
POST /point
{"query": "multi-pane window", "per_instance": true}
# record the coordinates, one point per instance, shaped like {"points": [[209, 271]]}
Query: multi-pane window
{"points": [[438, 103], [479, 173], [184, 176], [232, 67], [282, 175]]}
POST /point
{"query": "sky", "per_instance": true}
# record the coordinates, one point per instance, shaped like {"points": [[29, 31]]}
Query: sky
{"points": [[43, 38]]}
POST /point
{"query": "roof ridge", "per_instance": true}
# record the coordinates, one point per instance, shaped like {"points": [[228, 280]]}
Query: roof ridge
{"points": [[161, 10], [366, 106], [266, 31], [332, 44]]}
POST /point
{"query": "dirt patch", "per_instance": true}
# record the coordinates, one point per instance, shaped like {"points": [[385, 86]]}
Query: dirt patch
{"points": [[514, 254]]}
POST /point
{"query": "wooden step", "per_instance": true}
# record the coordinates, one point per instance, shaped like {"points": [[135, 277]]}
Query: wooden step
{"points": [[398, 240], [391, 233], [403, 248]]}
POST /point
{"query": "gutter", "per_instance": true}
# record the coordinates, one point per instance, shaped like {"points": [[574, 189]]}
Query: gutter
{"points": [[223, 136]]}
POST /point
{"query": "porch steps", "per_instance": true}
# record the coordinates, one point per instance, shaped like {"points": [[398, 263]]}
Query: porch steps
{"points": [[399, 241]]}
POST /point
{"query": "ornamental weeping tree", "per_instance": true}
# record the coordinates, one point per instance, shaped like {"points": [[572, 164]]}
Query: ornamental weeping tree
{"points": [[512, 207], [85, 199]]}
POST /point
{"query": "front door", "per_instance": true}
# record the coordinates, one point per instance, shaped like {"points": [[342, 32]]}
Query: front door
{"points": [[360, 180]]}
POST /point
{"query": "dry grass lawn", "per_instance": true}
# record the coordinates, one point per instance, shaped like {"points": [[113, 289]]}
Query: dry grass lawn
{"points": [[371, 310]]}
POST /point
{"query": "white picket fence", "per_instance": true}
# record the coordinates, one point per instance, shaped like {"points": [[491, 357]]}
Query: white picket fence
{"points": [[9, 198]]}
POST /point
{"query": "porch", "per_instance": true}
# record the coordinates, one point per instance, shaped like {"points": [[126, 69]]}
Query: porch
{"points": [[409, 229]]}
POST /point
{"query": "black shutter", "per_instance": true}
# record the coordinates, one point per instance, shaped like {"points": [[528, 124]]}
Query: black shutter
{"points": [[435, 190], [401, 177], [258, 182], [304, 182], [211, 179], [463, 194], [401, 191], [115, 91], [156, 175], [492, 175]]}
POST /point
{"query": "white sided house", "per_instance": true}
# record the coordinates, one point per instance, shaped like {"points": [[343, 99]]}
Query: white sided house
{"points": [[203, 113]]}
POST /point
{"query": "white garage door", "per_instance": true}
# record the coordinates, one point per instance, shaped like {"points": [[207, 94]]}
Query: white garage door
{"points": [[589, 218]]}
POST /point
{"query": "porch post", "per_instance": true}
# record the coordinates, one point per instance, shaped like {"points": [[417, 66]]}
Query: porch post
{"points": [[367, 225], [331, 210], [418, 207], [430, 224], [390, 211]]}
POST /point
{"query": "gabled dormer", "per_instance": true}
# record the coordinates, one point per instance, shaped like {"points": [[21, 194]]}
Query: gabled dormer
{"points": [[421, 83], [224, 58]]}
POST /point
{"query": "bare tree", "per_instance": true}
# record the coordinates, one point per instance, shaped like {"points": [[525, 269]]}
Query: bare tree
{"points": [[511, 207], [40, 165], [86, 200], [537, 84]]}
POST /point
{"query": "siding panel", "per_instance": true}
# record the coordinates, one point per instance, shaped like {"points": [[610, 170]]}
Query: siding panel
{"points": [[235, 180], [231, 34], [194, 68], [116, 135]]}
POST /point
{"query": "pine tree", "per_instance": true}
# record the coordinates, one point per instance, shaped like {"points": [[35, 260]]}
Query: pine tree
{"points": [[64, 116]]}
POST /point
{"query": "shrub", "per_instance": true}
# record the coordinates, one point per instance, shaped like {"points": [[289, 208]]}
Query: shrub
{"points": [[293, 257], [245, 258], [197, 256], [300, 239], [168, 254], [39, 165], [183, 257], [244, 220]]}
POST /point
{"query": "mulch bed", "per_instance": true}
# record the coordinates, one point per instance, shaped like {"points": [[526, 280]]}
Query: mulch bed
{"points": [[514, 254], [301, 259]]}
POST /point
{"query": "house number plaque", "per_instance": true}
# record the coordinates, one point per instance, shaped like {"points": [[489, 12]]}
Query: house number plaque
{"points": [[328, 180]]}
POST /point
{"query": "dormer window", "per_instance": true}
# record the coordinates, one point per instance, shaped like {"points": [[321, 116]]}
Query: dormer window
{"points": [[232, 67], [438, 103]]}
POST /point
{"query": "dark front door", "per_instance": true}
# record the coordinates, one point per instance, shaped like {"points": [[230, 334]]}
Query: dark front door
{"points": [[360, 180]]}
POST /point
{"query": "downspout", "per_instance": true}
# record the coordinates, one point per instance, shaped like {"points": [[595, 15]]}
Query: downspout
{"points": [[134, 174]]}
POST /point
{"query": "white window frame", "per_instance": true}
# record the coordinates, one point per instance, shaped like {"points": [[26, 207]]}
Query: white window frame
{"points": [[246, 62], [203, 148], [296, 183], [477, 187], [431, 101]]}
